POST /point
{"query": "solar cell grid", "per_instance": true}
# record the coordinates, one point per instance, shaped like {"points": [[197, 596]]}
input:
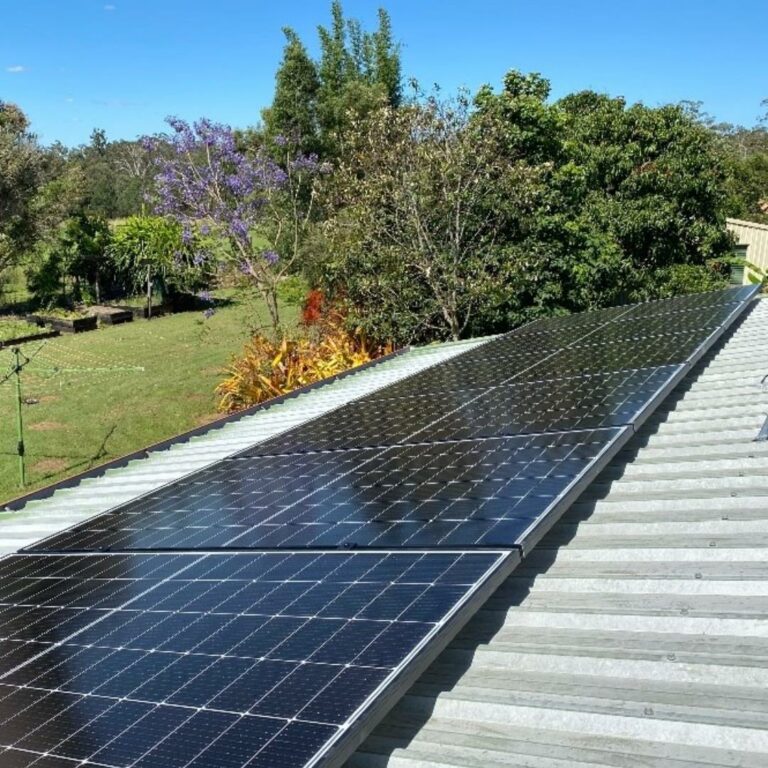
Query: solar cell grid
{"points": [[615, 354], [366, 424], [453, 494], [698, 302], [610, 399], [464, 374], [243, 659]]}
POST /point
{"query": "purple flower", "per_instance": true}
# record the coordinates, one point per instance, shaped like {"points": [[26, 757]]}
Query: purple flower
{"points": [[209, 313], [205, 296], [245, 268], [281, 141], [270, 257], [238, 228], [199, 258]]}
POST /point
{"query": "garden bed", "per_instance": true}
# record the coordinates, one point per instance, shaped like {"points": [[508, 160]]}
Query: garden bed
{"points": [[64, 323], [137, 306], [109, 315], [15, 330]]}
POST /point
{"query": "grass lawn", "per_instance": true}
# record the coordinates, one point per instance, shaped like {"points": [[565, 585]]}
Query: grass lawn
{"points": [[88, 402], [16, 328]]}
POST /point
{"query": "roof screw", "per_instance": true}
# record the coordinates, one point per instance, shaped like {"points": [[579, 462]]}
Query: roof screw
{"points": [[671, 657], [698, 575]]}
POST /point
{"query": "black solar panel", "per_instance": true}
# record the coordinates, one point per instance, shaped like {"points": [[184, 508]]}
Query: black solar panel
{"points": [[307, 579], [231, 661], [454, 494], [591, 401]]}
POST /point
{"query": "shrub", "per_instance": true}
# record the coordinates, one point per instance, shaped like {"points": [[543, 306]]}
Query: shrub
{"points": [[692, 278], [270, 368]]}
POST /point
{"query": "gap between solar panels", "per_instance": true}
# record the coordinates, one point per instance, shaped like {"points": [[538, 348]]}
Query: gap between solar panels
{"points": [[268, 610]]}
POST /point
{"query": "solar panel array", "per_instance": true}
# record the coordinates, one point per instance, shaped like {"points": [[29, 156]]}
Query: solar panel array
{"points": [[265, 611]]}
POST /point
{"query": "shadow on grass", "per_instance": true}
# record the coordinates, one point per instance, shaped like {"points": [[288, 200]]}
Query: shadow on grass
{"points": [[45, 467]]}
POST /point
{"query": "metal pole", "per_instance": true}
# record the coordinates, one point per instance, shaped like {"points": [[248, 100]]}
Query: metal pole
{"points": [[19, 420]]}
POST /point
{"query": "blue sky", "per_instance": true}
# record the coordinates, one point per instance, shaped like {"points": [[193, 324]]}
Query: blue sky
{"points": [[124, 65]]}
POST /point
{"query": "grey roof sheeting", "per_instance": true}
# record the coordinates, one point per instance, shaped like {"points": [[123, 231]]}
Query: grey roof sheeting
{"points": [[635, 635], [68, 506]]}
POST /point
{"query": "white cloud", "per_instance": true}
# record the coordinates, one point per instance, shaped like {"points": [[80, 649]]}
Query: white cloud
{"points": [[16, 69], [69, 100], [110, 7]]}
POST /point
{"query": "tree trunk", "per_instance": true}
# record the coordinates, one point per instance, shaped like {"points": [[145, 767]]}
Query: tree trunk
{"points": [[149, 293], [270, 297]]}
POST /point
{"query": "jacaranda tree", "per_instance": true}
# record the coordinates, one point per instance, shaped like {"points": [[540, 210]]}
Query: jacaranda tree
{"points": [[219, 193]]}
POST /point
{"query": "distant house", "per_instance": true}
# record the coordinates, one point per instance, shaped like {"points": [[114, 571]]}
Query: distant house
{"points": [[755, 237]]}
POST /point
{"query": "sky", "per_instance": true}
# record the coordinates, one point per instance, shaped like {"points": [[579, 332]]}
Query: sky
{"points": [[73, 65]]}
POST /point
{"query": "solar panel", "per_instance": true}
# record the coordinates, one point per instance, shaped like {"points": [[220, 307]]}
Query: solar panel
{"points": [[223, 661], [269, 609], [442, 495]]}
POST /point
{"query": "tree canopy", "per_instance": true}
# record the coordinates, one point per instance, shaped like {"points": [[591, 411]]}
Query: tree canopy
{"points": [[358, 71]]}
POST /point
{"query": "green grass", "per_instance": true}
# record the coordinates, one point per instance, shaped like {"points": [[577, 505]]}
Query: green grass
{"points": [[88, 402], [15, 328]]}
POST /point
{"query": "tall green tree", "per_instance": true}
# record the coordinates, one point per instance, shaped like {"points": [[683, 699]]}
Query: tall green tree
{"points": [[116, 175], [423, 204], [293, 114], [631, 192], [21, 174], [745, 155], [386, 60], [358, 71]]}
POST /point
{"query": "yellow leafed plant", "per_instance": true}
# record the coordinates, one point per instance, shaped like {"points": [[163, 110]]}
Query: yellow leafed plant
{"points": [[267, 369]]}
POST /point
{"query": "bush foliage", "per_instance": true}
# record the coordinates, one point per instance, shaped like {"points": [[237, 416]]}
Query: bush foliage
{"points": [[269, 368]]}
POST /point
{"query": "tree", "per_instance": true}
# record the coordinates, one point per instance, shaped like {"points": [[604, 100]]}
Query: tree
{"points": [[21, 173], [422, 204], [116, 175], [386, 60], [358, 71], [293, 114], [214, 190], [150, 251], [630, 191], [744, 154], [75, 258], [84, 241]]}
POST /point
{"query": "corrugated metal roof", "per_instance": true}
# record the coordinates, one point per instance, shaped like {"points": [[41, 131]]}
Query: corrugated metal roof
{"points": [[635, 635], [69, 506]]}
